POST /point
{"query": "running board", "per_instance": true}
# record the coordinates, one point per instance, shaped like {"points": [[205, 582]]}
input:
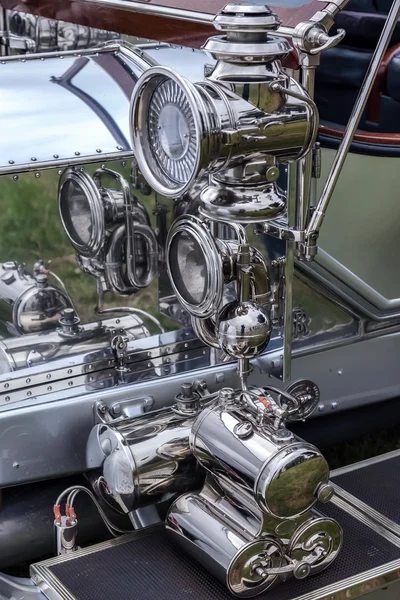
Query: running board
{"points": [[146, 566], [373, 487]]}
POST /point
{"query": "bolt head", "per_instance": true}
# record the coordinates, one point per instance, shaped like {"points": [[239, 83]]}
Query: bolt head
{"points": [[325, 492]]}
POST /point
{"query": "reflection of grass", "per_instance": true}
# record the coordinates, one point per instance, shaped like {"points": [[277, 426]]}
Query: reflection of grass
{"points": [[287, 493], [30, 229]]}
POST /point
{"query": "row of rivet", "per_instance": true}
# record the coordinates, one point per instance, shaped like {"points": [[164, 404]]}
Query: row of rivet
{"points": [[79, 369], [42, 58], [60, 171], [80, 376], [55, 156]]}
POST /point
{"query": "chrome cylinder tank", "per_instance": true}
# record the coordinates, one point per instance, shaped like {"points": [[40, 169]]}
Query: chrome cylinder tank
{"points": [[230, 554], [284, 473], [145, 458], [35, 349], [222, 537], [29, 304]]}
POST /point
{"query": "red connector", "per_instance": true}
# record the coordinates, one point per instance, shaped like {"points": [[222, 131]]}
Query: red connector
{"points": [[57, 513], [265, 402]]}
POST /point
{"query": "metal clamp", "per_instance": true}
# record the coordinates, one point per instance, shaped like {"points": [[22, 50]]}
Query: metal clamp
{"points": [[312, 38]]}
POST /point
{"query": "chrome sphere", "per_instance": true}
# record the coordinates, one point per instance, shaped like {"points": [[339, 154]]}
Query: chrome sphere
{"points": [[243, 329]]}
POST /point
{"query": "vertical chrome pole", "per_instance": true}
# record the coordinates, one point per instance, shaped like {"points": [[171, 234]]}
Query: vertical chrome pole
{"points": [[3, 31], [304, 166], [359, 106], [289, 274]]}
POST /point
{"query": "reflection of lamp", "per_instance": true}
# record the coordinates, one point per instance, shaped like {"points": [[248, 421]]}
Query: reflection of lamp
{"points": [[109, 229]]}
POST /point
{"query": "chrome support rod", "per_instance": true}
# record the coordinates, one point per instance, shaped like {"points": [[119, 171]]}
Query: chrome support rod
{"points": [[304, 169], [154, 10], [3, 31], [318, 216]]}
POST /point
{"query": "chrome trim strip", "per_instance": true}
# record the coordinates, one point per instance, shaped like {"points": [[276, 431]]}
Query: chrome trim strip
{"points": [[340, 288], [85, 52], [366, 520], [376, 517], [66, 162], [365, 463], [361, 287], [154, 10]]}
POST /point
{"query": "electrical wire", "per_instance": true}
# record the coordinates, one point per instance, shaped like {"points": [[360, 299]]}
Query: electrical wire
{"points": [[73, 491]]}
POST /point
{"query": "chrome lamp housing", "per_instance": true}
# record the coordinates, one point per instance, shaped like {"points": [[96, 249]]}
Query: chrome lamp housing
{"points": [[181, 131]]}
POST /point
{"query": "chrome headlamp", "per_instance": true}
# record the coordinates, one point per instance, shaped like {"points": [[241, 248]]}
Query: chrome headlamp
{"points": [[194, 266], [169, 129], [199, 265], [180, 130]]}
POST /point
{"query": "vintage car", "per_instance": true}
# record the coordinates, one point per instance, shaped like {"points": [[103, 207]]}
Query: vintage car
{"points": [[199, 291]]}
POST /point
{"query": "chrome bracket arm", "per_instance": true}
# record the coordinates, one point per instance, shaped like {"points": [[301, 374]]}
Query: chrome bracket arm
{"points": [[317, 218]]}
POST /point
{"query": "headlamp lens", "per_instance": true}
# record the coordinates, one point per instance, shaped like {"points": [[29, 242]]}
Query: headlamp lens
{"points": [[169, 123], [172, 132], [76, 212], [194, 265], [188, 268]]}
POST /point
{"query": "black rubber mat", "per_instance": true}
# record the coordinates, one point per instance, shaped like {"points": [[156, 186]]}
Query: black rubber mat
{"points": [[377, 485], [149, 567]]}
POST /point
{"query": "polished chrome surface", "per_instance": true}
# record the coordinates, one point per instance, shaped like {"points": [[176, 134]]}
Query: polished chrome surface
{"points": [[318, 532], [252, 522], [144, 459], [66, 531], [194, 266], [243, 329], [29, 303], [259, 462], [228, 130], [81, 211], [50, 34], [110, 230], [226, 552], [89, 87], [308, 395], [32, 350]]}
